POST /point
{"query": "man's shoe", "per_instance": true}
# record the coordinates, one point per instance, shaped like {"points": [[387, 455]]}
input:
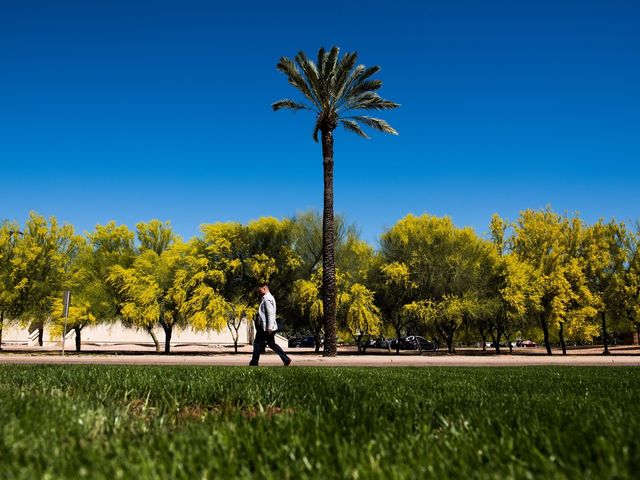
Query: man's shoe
{"points": [[287, 362]]}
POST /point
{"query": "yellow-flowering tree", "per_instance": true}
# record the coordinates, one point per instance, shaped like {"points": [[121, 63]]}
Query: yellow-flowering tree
{"points": [[43, 256], [165, 284], [434, 273], [606, 257], [80, 315], [93, 298], [359, 316], [394, 289], [244, 256], [308, 300], [551, 245], [12, 274], [512, 293], [631, 285]]}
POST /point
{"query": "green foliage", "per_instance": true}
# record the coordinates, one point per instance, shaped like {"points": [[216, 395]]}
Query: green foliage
{"points": [[551, 246], [94, 299], [168, 289], [337, 91], [432, 272], [74, 421], [334, 88], [13, 280], [546, 274], [41, 266]]}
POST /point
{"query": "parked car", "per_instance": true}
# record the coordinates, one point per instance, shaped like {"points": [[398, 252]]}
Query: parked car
{"points": [[412, 341], [306, 341], [380, 343], [526, 344]]}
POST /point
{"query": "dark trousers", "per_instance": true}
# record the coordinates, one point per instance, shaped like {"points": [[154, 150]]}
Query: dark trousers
{"points": [[263, 338]]}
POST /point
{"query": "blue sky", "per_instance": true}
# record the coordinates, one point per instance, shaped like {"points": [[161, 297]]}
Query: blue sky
{"points": [[137, 110]]}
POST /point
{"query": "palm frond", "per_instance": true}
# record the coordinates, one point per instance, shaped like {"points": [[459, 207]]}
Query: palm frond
{"points": [[370, 71], [368, 101], [358, 83], [290, 104], [310, 71], [343, 96], [343, 70], [288, 67], [335, 86], [320, 62], [329, 61], [328, 72], [376, 123], [365, 86], [353, 127]]}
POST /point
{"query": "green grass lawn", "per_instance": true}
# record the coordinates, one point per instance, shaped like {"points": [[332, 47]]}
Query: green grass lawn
{"points": [[235, 422]]}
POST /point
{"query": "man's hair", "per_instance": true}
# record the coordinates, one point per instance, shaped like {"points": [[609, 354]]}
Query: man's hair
{"points": [[263, 284]]}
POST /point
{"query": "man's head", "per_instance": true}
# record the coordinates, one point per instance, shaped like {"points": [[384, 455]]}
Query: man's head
{"points": [[263, 289]]}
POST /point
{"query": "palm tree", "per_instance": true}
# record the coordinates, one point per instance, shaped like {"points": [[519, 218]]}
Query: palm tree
{"points": [[336, 90]]}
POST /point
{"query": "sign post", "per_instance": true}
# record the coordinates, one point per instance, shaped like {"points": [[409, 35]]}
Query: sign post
{"points": [[66, 301]]}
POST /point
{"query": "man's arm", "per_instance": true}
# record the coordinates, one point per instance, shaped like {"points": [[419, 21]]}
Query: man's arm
{"points": [[270, 311]]}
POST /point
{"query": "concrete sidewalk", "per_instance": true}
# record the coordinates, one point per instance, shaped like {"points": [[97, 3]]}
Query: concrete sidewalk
{"points": [[626, 357]]}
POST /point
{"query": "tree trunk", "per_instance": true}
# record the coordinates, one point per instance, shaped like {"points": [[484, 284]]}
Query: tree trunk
{"points": [[233, 329], [41, 335], [316, 337], [155, 338], [605, 335], [506, 335], [496, 343], [448, 337], [450, 344], [545, 330], [168, 330], [328, 247], [78, 338], [564, 346], [1, 325], [483, 336], [637, 329]]}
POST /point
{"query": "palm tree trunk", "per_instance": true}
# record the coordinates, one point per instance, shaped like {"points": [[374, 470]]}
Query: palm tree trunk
{"points": [[328, 247], [1, 325]]}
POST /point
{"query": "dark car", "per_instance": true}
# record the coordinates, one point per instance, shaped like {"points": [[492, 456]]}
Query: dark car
{"points": [[414, 342], [380, 343], [306, 341]]}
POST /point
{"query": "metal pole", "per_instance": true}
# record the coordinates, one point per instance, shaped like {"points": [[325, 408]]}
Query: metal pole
{"points": [[65, 307]]}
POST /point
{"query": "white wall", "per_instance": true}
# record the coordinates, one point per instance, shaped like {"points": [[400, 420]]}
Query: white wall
{"points": [[118, 334]]}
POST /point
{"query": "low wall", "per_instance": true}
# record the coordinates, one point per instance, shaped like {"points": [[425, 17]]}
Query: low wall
{"points": [[118, 334]]}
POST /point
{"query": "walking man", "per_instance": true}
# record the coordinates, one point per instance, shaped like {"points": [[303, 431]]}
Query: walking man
{"points": [[266, 327]]}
